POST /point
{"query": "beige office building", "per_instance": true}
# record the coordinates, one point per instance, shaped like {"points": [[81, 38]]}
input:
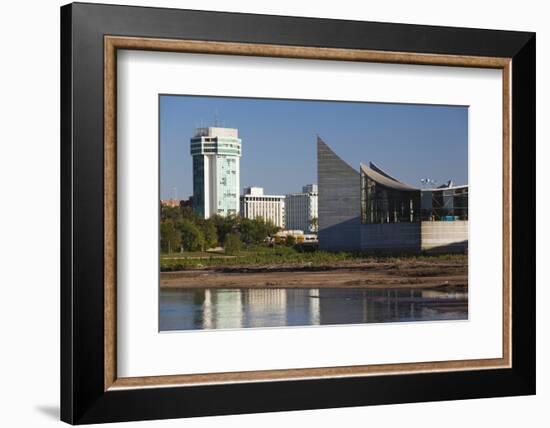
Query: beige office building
{"points": [[255, 204]]}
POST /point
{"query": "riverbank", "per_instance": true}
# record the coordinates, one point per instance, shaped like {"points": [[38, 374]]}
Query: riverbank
{"points": [[399, 273]]}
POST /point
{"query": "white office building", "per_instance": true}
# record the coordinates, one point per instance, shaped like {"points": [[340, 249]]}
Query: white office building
{"points": [[301, 209], [216, 154], [255, 204]]}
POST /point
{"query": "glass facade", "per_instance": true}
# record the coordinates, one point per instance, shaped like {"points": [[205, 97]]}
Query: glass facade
{"points": [[384, 204], [198, 185], [446, 204], [389, 201]]}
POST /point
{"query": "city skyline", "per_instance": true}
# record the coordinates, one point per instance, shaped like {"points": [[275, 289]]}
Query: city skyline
{"points": [[416, 141]]}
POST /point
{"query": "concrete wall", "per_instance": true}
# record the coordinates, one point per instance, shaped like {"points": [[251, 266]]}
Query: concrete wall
{"points": [[391, 237], [431, 236], [339, 201], [444, 236]]}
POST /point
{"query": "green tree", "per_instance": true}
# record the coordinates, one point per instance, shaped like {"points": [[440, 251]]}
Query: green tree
{"points": [[255, 231], [192, 238], [225, 225], [290, 241], [189, 214], [210, 233], [170, 213], [232, 244], [177, 213], [170, 238], [248, 231]]}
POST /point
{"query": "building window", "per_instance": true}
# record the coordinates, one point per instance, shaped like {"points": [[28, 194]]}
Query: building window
{"points": [[445, 204], [381, 204]]}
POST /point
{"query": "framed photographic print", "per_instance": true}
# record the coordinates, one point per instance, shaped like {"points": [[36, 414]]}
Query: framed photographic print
{"points": [[265, 213]]}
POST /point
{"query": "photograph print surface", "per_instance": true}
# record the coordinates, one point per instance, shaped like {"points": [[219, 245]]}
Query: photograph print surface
{"points": [[278, 213]]}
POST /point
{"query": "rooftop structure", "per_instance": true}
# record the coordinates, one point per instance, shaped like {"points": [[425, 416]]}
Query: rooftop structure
{"points": [[253, 191]]}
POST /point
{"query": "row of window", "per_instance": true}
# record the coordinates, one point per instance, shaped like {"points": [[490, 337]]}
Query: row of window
{"points": [[263, 199], [381, 204]]}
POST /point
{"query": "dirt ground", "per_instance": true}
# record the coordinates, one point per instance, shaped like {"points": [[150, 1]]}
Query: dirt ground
{"points": [[398, 274]]}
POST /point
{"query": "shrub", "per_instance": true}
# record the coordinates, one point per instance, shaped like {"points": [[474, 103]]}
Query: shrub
{"points": [[290, 241], [232, 244]]}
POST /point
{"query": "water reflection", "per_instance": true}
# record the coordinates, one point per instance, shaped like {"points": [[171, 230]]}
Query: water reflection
{"points": [[241, 308]]}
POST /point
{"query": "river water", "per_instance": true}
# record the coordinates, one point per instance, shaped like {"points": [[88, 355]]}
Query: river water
{"points": [[198, 309]]}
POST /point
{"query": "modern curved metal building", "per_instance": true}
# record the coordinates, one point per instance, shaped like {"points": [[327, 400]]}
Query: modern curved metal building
{"points": [[370, 210]]}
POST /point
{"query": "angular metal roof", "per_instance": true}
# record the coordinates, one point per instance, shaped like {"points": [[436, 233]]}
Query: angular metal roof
{"points": [[373, 171], [385, 179]]}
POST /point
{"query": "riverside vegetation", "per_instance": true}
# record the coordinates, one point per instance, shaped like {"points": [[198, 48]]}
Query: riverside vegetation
{"points": [[181, 229], [223, 252]]}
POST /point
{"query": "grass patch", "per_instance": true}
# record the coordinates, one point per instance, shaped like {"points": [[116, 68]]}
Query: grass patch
{"points": [[282, 255], [192, 255]]}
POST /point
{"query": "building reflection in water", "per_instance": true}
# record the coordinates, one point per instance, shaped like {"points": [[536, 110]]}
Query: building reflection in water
{"points": [[265, 307], [222, 309], [207, 312], [242, 308], [354, 306], [314, 307]]}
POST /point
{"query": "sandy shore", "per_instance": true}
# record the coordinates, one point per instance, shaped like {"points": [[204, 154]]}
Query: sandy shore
{"points": [[402, 274]]}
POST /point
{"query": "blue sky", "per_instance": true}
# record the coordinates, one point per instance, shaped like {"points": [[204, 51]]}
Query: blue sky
{"points": [[409, 141]]}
